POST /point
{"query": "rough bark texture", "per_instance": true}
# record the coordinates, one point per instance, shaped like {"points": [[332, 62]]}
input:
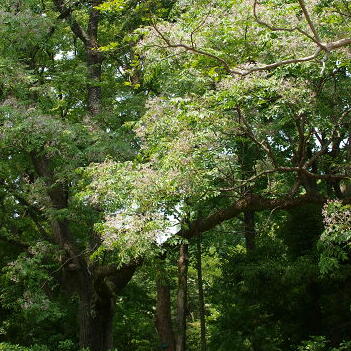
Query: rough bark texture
{"points": [[97, 293], [95, 318], [94, 61], [249, 230], [182, 298], [94, 79], [203, 343], [94, 57], [163, 315], [95, 286]]}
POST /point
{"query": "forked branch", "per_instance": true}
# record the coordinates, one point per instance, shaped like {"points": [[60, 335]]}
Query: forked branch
{"points": [[241, 70]]}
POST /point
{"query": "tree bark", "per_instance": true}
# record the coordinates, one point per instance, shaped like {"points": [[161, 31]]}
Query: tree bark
{"points": [[94, 61], [96, 286], [97, 292], [182, 298], [95, 320], [163, 314], [203, 343], [94, 57]]}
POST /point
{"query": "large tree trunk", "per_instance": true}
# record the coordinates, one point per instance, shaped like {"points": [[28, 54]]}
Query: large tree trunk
{"points": [[182, 297], [97, 291], [203, 343], [163, 315], [95, 321]]}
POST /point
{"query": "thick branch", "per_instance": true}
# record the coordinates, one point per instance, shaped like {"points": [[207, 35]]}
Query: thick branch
{"points": [[250, 202], [119, 276]]}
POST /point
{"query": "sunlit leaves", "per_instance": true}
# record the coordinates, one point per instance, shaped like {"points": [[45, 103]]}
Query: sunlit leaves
{"points": [[111, 5], [336, 238]]}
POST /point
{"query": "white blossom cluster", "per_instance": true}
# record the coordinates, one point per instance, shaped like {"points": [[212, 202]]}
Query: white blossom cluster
{"points": [[337, 220]]}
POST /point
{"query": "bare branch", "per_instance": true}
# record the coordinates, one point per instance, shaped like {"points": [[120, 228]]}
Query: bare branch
{"points": [[309, 20], [279, 29], [283, 63], [325, 146], [196, 51], [338, 44]]}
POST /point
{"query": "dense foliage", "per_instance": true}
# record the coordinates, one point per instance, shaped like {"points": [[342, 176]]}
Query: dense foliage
{"points": [[175, 175]]}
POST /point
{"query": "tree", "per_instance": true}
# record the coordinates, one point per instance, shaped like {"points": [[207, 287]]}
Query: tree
{"points": [[217, 101], [126, 123], [58, 116]]}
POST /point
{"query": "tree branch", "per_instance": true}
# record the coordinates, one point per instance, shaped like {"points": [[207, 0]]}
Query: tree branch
{"points": [[196, 51], [66, 13], [118, 276], [250, 202], [298, 170], [242, 71], [279, 29], [309, 21]]}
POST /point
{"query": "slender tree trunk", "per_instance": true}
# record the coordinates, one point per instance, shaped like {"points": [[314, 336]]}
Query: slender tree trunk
{"points": [[203, 343], [249, 230], [182, 298], [94, 62], [163, 314]]}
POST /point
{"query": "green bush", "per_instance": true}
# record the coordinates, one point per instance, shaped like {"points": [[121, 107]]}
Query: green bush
{"points": [[11, 347], [319, 343]]}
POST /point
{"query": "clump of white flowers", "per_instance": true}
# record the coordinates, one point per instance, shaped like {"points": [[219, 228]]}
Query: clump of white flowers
{"points": [[337, 221], [335, 241]]}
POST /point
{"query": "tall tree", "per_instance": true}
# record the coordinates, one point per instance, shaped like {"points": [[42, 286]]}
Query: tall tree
{"points": [[224, 94], [69, 120]]}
